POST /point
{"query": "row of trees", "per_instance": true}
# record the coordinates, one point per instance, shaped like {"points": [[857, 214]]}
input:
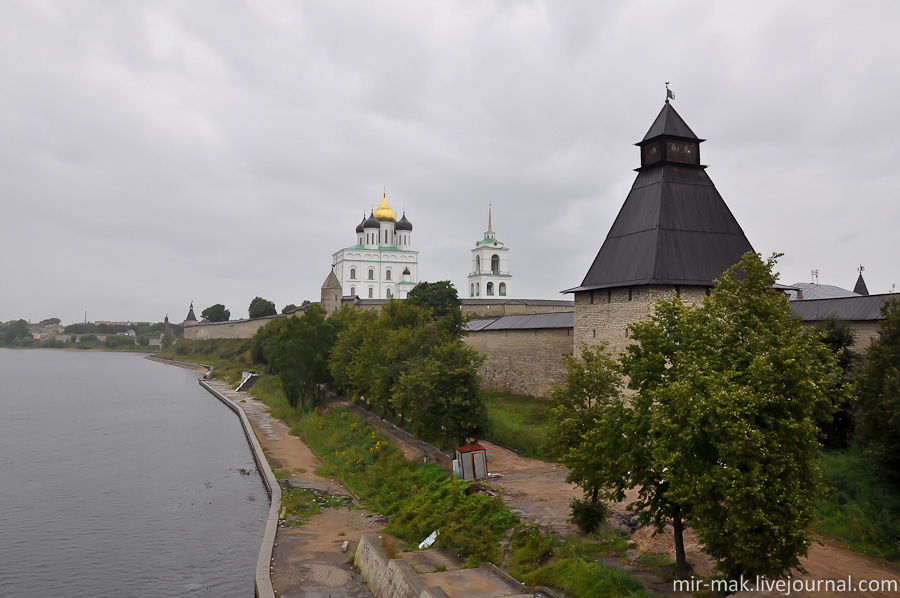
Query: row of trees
{"points": [[406, 362], [259, 308], [720, 428]]}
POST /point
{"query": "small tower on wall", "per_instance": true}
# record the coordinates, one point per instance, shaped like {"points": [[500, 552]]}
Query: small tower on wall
{"points": [[191, 318], [331, 294], [674, 234], [489, 276]]}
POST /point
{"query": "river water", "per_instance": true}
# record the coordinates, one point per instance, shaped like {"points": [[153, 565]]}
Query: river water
{"points": [[121, 477]]}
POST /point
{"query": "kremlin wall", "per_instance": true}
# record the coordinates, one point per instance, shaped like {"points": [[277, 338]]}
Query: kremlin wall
{"points": [[673, 235]]}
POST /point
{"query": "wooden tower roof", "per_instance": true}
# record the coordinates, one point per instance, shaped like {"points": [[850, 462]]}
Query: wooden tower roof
{"points": [[674, 228]]}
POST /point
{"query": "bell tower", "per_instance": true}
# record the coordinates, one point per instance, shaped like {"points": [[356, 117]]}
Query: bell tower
{"points": [[489, 277]]}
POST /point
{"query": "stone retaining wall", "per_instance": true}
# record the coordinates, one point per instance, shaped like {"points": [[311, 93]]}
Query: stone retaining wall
{"points": [[263, 582], [386, 577]]}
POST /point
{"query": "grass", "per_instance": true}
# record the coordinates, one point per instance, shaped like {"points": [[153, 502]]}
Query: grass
{"points": [[861, 509], [227, 356], [517, 422], [421, 498]]}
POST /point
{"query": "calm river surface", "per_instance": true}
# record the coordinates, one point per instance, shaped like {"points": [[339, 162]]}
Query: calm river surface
{"points": [[119, 477]]}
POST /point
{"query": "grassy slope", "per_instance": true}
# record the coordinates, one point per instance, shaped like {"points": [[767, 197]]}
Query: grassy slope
{"points": [[423, 497]]}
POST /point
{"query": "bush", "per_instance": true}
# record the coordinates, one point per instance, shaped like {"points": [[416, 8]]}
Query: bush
{"points": [[587, 515]]}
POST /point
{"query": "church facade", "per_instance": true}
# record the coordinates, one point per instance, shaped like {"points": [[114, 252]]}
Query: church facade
{"points": [[489, 276], [382, 263]]}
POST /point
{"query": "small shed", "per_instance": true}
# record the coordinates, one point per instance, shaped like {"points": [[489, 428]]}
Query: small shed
{"points": [[470, 463]]}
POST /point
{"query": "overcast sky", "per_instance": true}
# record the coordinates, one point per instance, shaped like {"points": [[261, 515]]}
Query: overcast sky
{"points": [[158, 153]]}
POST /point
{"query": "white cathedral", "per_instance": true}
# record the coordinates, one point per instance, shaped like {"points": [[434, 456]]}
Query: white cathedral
{"points": [[382, 264], [490, 275]]}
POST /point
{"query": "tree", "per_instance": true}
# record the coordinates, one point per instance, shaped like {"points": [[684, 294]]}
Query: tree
{"points": [[260, 308], [301, 356], [50, 322], [264, 343], [440, 297], [589, 400], [165, 341], [723, 428], [840, 336], [878, 415], [442, 395], [15, 332], [288, 308], [216, 313]]}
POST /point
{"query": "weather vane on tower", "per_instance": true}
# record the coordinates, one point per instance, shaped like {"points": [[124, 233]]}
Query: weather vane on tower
{"points": [[669, 94]]}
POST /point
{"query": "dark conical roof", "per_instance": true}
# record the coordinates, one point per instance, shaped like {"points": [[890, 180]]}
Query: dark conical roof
{"points": [[191, 317], [860, 288], [669, 122], [371, 222], [331, 282], [673, 229], [359, 227], [403, 223]]}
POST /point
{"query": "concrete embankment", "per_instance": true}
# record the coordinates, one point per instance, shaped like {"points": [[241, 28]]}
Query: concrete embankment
{"points": [[263, 582], [389, 578]]}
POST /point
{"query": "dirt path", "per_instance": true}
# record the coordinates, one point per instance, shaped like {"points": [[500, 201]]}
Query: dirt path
{"points": [[538, 492]]}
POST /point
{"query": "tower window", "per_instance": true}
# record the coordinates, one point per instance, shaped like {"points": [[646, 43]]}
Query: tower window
{"points": [[352, 272], [503, 289], [495, 264], [471, 290], [477, 289], [371, 293], [477, 264], [352, 291], [490, 288], [387, 274], [371, 274], [387, 293]]}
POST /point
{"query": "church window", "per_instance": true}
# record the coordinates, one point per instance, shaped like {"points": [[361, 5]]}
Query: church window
{"points": [[490, 288], [674, 148], [371, 274], [495, 264], [477, 289], [387, 293], [503, 289], [471, 290], [352, 291], [687, 149], [387, 274], [371, 293], [352, 272], [477, 264]]}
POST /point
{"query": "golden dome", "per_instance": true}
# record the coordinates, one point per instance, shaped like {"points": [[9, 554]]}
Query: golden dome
{"points": [[384, 213]]}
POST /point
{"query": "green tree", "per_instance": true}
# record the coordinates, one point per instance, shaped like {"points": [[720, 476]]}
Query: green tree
{"points": [[265, 342], [878, 415], [260, 308], [301, 356], [840, 336], [352, 325], [50, 322], [723, 430], [288, 308], [590, 398], [442, 395], [216, 313], [440, 297], [15, 332], [165, 341]]}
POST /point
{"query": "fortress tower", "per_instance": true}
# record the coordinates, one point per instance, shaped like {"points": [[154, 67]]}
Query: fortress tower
{"points": [[490, 275], [674, 234]]}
